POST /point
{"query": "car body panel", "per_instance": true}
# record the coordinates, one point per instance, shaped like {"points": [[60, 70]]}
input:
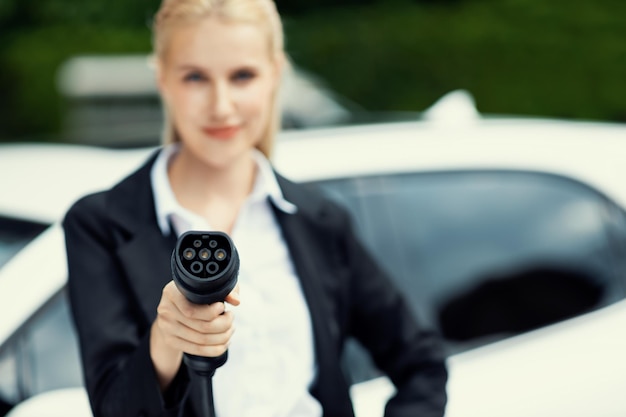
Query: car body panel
{"points": [[41, 181], [489, 382], [588, 152], [36, 281]]}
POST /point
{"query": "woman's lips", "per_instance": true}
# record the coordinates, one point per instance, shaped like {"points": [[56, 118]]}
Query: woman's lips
{"points": [[222, 132]]}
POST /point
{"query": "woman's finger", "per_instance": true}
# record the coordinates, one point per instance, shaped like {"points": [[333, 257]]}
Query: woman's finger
{"points": [[233, 297], [220, 332]]}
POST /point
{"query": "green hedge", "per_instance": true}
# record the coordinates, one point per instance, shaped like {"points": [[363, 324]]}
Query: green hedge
{"points": [[551, 58], [530, 57]]}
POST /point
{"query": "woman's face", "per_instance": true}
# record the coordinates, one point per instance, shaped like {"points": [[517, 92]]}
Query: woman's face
{"points": [[217, 80]]}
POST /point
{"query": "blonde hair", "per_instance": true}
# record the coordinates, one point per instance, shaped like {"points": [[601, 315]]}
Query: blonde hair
{"points": [[262, 13]]}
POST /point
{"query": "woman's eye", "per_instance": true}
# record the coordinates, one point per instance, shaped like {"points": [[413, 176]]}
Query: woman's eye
{"points": [[243, 76], [194, 77]]}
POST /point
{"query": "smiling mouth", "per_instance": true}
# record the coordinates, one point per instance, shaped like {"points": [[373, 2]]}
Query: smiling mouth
{"points": [[224, 132]]}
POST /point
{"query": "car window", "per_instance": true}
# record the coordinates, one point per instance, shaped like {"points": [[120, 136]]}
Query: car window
{"points": [[15, 234], [42, 356], [487, 255]]}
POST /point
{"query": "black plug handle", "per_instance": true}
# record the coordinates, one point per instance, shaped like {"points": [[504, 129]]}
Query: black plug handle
{"points": [[205, 266]]}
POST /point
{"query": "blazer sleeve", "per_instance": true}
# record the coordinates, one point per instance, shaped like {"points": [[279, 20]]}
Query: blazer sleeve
{"points": [[383, 322], [113, 333]]}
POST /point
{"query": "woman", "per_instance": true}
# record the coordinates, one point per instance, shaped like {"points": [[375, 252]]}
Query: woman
{"points": [[219, 66]]}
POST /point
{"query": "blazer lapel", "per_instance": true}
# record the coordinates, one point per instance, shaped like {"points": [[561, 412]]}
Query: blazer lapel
{"points": [[296, 230], [300, 231], [147, 259], [143, 250], [311, 286]]}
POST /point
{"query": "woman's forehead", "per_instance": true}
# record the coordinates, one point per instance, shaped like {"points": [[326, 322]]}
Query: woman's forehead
{"points": [[212, 41]]}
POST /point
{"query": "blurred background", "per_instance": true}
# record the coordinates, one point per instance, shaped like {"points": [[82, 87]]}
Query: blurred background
{"points": [[378, 60]]}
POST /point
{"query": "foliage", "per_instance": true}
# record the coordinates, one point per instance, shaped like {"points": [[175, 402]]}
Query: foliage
{"points": [[302, 7], [558, 58], [31, 13]]}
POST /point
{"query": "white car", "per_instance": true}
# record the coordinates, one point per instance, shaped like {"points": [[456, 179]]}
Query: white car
{"points": [[507, 235]]}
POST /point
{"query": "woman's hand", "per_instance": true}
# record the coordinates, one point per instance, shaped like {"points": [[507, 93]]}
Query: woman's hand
{"points": [[182, 326]]}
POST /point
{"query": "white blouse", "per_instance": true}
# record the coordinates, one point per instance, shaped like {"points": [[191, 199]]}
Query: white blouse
{"points": [[271, 361]]}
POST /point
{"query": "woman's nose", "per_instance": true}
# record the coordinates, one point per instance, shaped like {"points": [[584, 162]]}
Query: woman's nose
{"points": [[222, 101]]}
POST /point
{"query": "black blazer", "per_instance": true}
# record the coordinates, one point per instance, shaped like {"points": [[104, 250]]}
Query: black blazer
{"points": [[119, 263]]}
